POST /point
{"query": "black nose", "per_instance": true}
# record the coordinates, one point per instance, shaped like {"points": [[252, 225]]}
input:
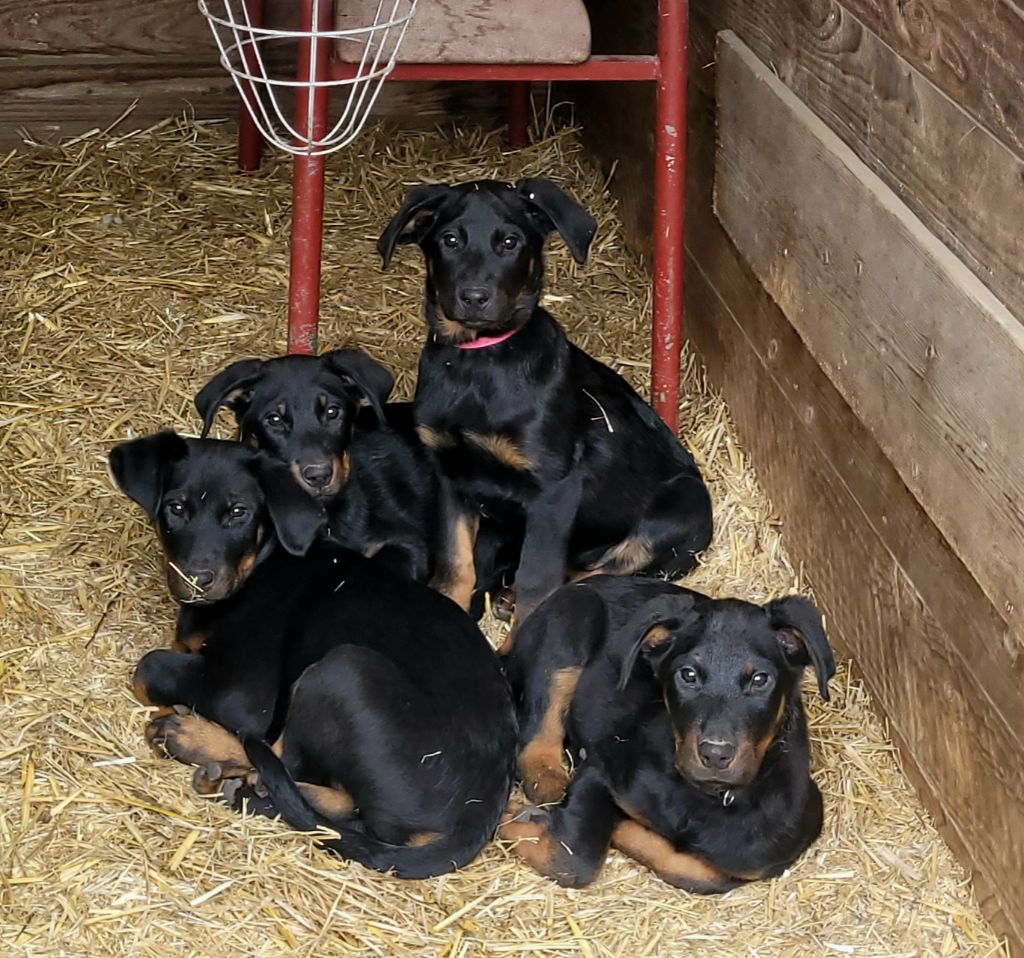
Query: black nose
{"points": [[716, 754], [318, 474], [475, 295], [202, 578]]}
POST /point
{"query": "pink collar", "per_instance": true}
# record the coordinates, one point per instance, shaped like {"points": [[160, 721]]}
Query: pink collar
{"points": [[482, 342]]}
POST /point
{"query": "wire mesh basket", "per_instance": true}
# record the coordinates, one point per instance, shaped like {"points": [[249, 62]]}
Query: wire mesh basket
{"points": [[250, 52]]}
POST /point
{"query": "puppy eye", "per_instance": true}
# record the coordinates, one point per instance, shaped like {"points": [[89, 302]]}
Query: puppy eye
{"points": [[688, 675], [238, 512], [175, 509], [450, 240], [510, 242], [273, 419], [759, 680], [332, 412]]}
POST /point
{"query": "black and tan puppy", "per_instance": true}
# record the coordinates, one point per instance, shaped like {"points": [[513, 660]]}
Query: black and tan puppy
{"points": [[686, 718], [390, 719], [374, 479], [525, 427]]}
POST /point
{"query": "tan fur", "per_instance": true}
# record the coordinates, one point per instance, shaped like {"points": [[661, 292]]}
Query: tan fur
{"points": [[540, 762], [195, 741], [650, 849], [191, 643], [630, 555], [453, 330], [532, 844], [419, 839], [433, 439], [460, 579], [501, 448], [332, 803]]}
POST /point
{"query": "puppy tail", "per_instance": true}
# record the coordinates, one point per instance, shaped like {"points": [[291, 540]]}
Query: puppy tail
{"points": [[424, 857]]}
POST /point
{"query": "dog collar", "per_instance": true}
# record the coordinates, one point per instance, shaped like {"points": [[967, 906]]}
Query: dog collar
{"points": [[482, 342]]}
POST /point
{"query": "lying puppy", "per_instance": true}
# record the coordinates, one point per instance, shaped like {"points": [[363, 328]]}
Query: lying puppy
{"points": [[390, 719], [522, 422], [686, 717], [377, 484]]}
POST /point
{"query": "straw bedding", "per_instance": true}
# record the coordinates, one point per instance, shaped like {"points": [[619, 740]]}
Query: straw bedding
{"points": [[132, 268]]}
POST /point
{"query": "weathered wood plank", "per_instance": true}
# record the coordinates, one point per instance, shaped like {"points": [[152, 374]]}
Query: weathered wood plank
{"points": [[931, 361], [965, 185], [971, 49], [929, 644]]}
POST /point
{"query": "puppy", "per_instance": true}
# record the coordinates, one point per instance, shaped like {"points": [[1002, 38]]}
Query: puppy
{"points": [[685, 715], [524, 426], [390, 719]]}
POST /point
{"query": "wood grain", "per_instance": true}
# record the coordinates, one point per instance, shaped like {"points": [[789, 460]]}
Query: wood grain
{"points": [[930, 360], [930, 646], [965, 185], [970, 49]]}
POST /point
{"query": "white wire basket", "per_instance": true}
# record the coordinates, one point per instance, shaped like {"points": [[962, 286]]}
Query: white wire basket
{"points": [[248, 52]]}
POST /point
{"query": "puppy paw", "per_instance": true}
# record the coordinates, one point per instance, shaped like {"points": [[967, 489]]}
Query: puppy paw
{"points": [[195, 741]]}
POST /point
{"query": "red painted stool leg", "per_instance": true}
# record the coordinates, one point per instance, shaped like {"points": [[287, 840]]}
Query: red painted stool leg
{"points": [[250, 140], [669, 187], [518, 114], [308, 188]]}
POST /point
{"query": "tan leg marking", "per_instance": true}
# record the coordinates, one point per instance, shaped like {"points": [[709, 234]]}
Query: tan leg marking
{"points": [[434, 438], [540, 762], [332, 803], [501, 448], [192, 642], [195, 741], [629, 556], [657, 853], [460, 581], [419, 839]]}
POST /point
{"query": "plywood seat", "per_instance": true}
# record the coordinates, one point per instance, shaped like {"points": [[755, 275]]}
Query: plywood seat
{"points": [[480, 31]]}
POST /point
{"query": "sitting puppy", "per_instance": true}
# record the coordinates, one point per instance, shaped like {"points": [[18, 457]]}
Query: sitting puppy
{"points": [[685, 715], [525, 426], [377, 484], [327, 418], [390, 719]]}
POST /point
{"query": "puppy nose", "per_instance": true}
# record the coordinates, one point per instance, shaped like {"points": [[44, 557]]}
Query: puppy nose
{"points": [[202, 578], [475, 295], [716, 754], [318, 474]]}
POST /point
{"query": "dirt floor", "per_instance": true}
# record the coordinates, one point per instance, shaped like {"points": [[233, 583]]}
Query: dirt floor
{"points": [[133, 268]]}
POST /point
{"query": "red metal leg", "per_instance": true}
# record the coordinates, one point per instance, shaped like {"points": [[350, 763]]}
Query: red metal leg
{"points": [[308, 188], [250, 140], [669, 185], [518, 114]]}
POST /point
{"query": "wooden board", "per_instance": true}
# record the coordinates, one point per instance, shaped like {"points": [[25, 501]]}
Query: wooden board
{"points": [[965, 185], [930, 360], [931, 648], [971, 49]]}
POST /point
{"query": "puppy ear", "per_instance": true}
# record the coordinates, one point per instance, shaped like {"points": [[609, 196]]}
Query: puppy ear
{"points": [[413, 219], [655, 626], [140, 467], [801, 633], [228, 388], [372, 379], [297, 517], [560, 212]]}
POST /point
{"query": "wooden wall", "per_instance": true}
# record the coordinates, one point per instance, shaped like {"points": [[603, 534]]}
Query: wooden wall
{"points": [[927, 100], [68, 66]]}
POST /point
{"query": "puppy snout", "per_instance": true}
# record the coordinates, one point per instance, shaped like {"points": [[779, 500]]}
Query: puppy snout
{"points": [[317, 474], [202, 579], [474, 296], [715, 754]]}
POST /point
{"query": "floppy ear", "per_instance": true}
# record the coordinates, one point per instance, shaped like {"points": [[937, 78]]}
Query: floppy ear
{"points": [[574, 224], [228, 388], [140, 467], [372, 379], [653, 625], [801, 633], [297, 517], [414, 218]]}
